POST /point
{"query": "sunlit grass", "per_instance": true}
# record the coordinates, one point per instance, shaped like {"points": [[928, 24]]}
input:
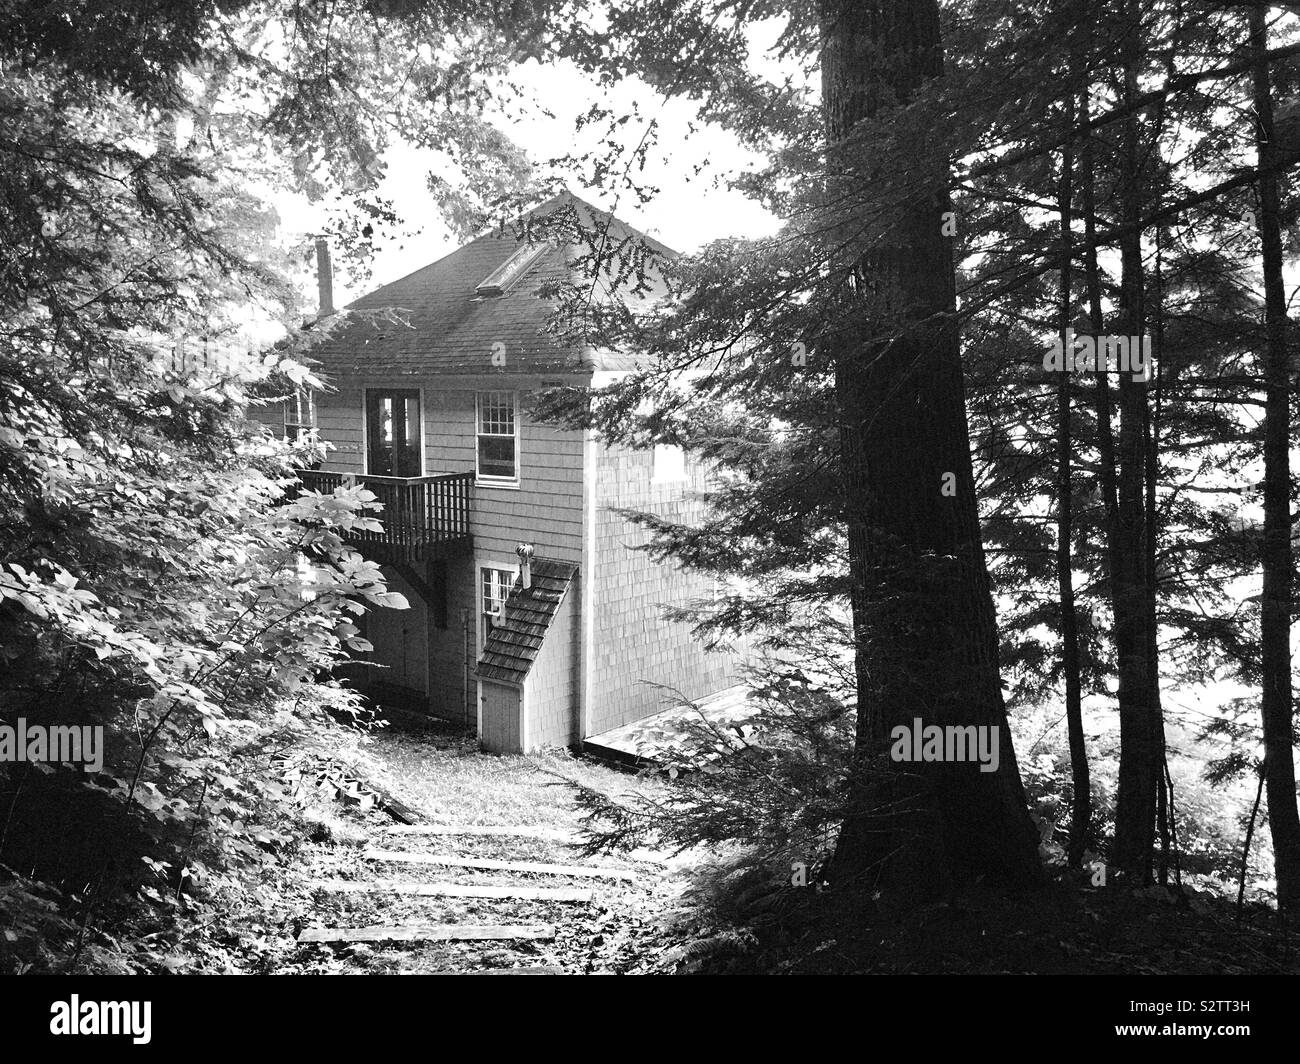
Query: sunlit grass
{"points": [[442, 774]]}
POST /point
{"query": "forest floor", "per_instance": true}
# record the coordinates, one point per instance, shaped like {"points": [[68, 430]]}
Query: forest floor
{"points": [[669, 920], [1063, 928]]}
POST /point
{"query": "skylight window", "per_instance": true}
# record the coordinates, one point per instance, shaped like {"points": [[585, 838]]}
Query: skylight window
{"points": [[504, 277]]}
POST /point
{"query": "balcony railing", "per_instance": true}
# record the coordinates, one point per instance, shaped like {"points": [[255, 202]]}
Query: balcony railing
{"points": [[422, 516]]}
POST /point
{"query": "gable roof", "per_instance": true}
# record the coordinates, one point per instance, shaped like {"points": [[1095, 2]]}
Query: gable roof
{"points": [[453, 329], [513, 645]]}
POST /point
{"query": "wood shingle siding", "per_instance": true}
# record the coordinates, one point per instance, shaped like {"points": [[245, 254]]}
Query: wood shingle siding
{"points": [[546, 507], [339, 422], [551, 690], [633, 645]]}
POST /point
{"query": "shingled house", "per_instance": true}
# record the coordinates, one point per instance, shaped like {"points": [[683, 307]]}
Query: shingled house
{"points": [[530, 614]]}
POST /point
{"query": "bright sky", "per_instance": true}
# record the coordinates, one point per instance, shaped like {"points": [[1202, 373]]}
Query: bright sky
{"points": [[689, 211]]}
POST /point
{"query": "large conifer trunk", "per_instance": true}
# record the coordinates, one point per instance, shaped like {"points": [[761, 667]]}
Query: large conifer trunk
{"points": [[1133, 578], [1277, 707], [1081, 802], [923, 611]]}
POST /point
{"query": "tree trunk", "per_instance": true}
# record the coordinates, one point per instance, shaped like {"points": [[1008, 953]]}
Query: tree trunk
{"points": [[1123, 547], [1107, 479], [923, 611], [1165, 817], [1276, 704], [1081, 805], [1136, 794]]}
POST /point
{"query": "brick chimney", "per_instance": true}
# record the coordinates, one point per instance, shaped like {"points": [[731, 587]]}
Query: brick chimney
{"points": [[324, 278]]}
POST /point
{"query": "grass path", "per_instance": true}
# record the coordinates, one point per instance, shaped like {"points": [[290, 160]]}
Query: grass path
{"points": [[623, 929]]}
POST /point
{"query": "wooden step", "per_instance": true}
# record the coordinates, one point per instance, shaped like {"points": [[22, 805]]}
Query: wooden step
{"points": [[456, 890], [399, 857], [434, 933], [485, 830]]}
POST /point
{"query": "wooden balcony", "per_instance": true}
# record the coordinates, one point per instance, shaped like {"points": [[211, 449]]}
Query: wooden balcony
{"points": [[423, 517]]}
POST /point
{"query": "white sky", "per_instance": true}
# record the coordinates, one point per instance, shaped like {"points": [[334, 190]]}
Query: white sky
{"points": [[688, 212]]}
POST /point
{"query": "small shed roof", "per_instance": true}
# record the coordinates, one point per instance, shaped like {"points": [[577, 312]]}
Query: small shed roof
{"points": [[513, 644]]}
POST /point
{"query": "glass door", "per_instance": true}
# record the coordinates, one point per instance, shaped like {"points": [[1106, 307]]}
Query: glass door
{"points": [[393, 432]]}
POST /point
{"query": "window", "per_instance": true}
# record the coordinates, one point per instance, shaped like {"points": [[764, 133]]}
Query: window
{"points": [[393, 432], [299, 414], [498, 437], [495, 587], [505, 276], [670, 463]]}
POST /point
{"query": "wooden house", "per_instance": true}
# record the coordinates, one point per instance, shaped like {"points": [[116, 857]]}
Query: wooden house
{"points": [[531, 615]]}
